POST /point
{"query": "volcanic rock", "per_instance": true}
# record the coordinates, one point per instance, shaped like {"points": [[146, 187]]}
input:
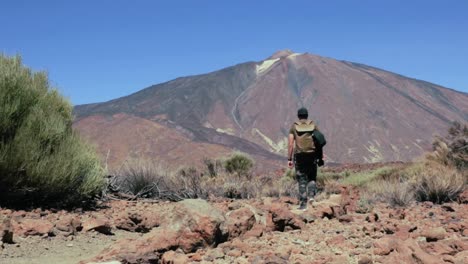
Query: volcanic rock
{"points": [[240, 221], [435, 234]]}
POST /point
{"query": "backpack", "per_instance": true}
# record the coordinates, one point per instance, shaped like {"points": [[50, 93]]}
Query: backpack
{"points": [[304, 136], [308, 138]]}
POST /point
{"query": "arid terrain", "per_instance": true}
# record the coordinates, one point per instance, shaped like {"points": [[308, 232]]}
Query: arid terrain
{"points": [[334, 229]]}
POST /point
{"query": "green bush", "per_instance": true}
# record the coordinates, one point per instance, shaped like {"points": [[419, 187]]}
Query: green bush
{"points": [[41, 157], [240, 164]]}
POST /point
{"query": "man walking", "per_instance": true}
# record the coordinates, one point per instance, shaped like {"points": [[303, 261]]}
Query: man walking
{"points": [[306, 142]]}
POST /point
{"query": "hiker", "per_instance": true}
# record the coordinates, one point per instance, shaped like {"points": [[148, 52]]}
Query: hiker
{"points": [[306, 141]]}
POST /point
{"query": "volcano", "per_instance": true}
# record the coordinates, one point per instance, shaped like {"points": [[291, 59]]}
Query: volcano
{"points": [[367, 114]]}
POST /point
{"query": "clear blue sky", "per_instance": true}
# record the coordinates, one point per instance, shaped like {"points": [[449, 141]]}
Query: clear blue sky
{"points": [[103, 49]]}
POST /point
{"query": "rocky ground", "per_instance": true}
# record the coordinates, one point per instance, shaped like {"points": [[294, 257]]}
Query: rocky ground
{"points": [[267, 230]]}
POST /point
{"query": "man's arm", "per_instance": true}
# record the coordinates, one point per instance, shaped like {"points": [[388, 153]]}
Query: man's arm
{"points": [[290, 149]]}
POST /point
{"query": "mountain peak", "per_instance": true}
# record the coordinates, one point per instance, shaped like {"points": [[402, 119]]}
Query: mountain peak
{"points": [[281, 54]]}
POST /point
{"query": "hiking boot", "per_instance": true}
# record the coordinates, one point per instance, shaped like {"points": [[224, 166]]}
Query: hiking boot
{"points": [[302, 206]]}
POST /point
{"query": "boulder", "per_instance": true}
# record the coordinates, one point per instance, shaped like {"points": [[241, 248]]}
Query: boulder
{"points": [[385, 245], [408, 251], [240, 221], [283, 219], [188, 226], [34, 227]]}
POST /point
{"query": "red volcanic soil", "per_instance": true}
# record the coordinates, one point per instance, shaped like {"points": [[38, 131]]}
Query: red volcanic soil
{"points": [[266, 230]]}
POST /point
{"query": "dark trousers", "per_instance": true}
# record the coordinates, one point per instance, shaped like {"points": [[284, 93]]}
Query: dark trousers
{"points": [[306, 175]]}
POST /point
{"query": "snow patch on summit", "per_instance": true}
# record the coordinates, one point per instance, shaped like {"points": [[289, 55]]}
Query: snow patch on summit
{"points": [[266, 64]]}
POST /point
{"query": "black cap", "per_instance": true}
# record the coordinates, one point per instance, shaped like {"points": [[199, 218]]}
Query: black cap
{"points": [[302, 112]]}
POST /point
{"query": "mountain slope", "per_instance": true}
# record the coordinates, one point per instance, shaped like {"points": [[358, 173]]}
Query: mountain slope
{"points": [[367, 114]]}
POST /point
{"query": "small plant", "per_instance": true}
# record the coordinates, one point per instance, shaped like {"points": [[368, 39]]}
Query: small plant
{"points": [[396, 193], [290, 173], [332, 187], [213, 167], [140, 178], [288, 187], [364, 204], [439, 184], [237, 189], [188, 184], [240, 164], [452, 150]]}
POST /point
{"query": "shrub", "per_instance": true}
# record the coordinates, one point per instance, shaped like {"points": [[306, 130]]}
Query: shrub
{"points": [[240, 164], [452, 150], [439, 184], [365, 203], [148, 179], [236, 188], [213, 167], [41, 157], [188, 184], [332, 187], [395, 192], [140, 178], [364, 177], [325, 176]]}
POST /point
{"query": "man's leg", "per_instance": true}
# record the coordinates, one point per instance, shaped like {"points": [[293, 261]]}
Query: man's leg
{"points": [[312, 182], [302, 182]]}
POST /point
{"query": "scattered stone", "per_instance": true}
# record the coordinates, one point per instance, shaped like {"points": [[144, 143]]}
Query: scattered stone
{"points": [[240, 221], [69, 224], [372, 218], [465, 232], [435, 234], [461, 257], [283, 218], [345, 219], [35, 227], [385, 245], [172, 257], [256, 231], [365, 260], [98, 224]]}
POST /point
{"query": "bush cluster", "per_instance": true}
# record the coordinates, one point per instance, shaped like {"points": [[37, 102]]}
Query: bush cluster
{"points": [[41, 157], [231, 177], [441, 176]]}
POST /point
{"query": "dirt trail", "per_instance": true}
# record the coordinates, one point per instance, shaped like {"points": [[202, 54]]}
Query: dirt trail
{"points": [[59, 250]]}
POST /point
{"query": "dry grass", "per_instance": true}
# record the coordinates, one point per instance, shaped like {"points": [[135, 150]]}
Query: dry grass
{"points": [[396, 193], [439, 184]]}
